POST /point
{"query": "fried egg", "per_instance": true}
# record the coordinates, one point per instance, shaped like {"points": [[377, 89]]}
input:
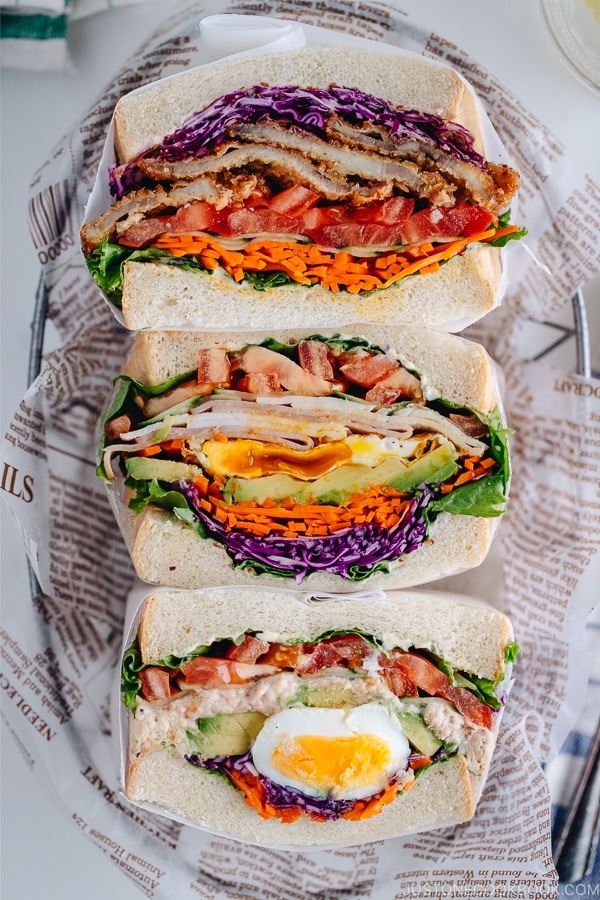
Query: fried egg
{"points": [[253, 459], [347, 754]]}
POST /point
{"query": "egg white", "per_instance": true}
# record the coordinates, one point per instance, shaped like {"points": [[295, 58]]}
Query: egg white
{"points": [[370, 718], [370, 449]]}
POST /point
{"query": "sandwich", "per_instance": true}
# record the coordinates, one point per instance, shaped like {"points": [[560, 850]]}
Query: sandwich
{"points": [[279, 722], [317, 187], [335, 461]]}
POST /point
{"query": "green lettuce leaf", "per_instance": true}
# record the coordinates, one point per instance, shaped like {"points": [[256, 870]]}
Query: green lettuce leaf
{"points": [[132, 665], [486, 497], [105, 265], [483, 688], [511, 652]]}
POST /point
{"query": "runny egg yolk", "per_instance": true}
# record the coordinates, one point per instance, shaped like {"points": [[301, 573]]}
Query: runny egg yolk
{"points": [[332, 765], [253, 459]]}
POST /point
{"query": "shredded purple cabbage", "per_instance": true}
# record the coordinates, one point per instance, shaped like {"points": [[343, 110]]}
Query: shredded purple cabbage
{"points": [[439, 754], [277, 795], [306, 109], [352, 553]]}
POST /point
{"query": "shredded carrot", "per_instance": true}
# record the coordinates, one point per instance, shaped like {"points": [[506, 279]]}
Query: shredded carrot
{"points": [[419, 762], [474, 468], [255, 796], [201, 484], [152, 450], [385, 506], [364, 809], [306, 264], [173, 445]]}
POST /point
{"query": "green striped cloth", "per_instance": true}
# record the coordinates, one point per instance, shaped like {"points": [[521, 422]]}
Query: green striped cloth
{"points": [[34, 35]]}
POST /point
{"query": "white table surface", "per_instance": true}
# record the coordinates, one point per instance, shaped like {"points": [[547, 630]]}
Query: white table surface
{"points": [[43, 855]]}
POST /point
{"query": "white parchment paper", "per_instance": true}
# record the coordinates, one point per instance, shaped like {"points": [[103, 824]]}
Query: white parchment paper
{"points": [[60, 654]]}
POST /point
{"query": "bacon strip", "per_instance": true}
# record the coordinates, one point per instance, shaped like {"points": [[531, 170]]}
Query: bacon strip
{"points": [[426, 676]]}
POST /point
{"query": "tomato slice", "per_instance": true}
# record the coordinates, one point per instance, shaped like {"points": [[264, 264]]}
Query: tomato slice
{"points": [[353, 234], [294, 201], [429, 678], [436, 221], [197, 216], [255, 221]]}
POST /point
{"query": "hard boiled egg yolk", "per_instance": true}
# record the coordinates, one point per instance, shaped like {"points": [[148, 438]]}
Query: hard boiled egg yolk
{"points": [[333, 765]]}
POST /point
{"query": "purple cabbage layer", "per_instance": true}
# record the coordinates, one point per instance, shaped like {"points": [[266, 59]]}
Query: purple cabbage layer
{"points": [[277, 795], [306, 109], [351, 553]]}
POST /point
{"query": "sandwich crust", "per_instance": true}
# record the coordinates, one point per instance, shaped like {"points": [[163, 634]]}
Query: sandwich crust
{"points": [[442, 796], [471, 636], [161, 296], [450, 366], [166, 551], [169, 553], [468, 634], [143, 118]]}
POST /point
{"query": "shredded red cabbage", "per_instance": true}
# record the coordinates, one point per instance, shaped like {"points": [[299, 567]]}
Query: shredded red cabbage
{"points": [[353, 553], [277, 795], [306, 109]]}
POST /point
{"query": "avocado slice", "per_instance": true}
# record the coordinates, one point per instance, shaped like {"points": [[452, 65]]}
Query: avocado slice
{"points": [[419, 734], [433, 468], [147, 467], [335, 487], [328, 697], [228, 734]]}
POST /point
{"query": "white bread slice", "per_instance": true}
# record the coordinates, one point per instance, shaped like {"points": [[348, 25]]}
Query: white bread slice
{"points": [[469, 635], [442, 796], [450, 366], [472, 637], [167, 552], [159, 296], [162, 296], [145, 117]]}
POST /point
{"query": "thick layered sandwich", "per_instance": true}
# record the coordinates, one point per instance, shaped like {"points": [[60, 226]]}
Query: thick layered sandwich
{"points": [[332, 461], [319, 186], [266, 719]]}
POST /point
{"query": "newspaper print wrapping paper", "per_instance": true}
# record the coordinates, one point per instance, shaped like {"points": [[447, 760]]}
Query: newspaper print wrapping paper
{"points": [[60, 654]]}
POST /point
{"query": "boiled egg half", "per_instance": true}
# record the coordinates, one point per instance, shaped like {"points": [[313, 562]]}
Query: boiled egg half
{"points": [[347, 754]]}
